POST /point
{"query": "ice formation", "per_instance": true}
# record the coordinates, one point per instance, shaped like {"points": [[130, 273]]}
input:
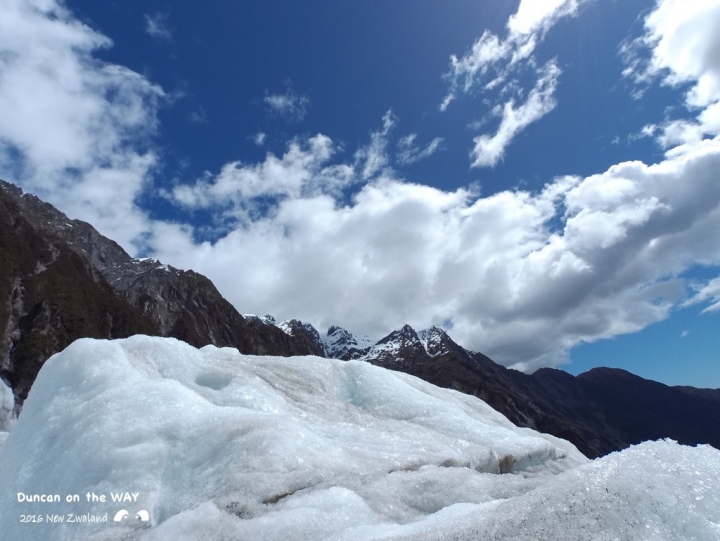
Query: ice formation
{"points": [[219, 445]]}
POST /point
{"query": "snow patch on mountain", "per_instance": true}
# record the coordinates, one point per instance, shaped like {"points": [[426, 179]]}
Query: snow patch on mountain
{"points": [[434, 340], [266, 319], [342, 344], [291, 326]]}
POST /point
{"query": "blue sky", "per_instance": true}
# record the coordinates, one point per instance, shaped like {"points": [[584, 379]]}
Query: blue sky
{"points": [[538, 177]]}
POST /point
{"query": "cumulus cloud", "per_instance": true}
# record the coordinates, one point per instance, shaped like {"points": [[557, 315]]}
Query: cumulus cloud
{"points": [[535, 17], [156, 26], [512, 282], [289, 105], [489, 150], [495, 64], [242, 191], [408, 152], [74, 130]]}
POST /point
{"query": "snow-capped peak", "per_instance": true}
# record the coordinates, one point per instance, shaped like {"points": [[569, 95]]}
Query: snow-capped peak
{"points": [[394, 343], [266, 319], [402, 338], [434, 340], [342, 344], [293, 326]]}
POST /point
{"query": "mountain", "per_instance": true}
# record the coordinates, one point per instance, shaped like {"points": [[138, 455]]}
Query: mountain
{"points": [[61, 280], [344, 345]]}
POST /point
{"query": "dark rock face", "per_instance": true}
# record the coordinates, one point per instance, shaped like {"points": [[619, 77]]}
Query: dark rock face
{"points": [[639, 409], [61, 280]]}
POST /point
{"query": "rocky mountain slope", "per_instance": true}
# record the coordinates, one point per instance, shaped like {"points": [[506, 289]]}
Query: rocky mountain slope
{"points": [[61, 280]]}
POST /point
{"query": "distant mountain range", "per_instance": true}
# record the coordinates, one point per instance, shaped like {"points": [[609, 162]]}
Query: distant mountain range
{"points": [[61, 280]]}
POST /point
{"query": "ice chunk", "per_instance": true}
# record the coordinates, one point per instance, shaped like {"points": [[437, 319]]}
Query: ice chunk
{"points": [[256, 436]]}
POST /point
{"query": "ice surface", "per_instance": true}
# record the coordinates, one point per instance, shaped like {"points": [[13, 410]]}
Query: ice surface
{"points": [[653, 491], [221, 445]]}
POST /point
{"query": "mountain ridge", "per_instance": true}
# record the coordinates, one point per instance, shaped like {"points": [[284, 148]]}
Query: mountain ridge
{"points": [[587, 410], [61, 280]]}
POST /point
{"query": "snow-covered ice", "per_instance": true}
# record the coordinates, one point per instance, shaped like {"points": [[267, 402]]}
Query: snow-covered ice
{"points": [[221, 445]]}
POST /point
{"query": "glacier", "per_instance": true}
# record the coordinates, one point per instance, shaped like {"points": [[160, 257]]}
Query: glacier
{"points": [[220, 445]]}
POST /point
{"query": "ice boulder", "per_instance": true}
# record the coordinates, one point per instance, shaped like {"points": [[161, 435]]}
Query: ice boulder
{"points": [[264, 442]]}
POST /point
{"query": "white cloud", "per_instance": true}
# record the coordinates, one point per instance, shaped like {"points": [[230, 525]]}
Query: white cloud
{"points": [[489, 150], [74, 130], [494, 64], [709, 292], [289, 105], [682, 39], [537, 16], [373, 158], [239, 188], [491, 59], [259, 138], [157, 26], [409, 153]]}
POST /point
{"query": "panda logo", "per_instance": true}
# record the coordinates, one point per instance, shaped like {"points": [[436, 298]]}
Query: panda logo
{"points": [[122, 515]]}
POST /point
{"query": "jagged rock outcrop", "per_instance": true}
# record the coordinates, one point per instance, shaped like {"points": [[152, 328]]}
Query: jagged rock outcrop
{"points": [[342, 344], [305, 335], [61, 280]]}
